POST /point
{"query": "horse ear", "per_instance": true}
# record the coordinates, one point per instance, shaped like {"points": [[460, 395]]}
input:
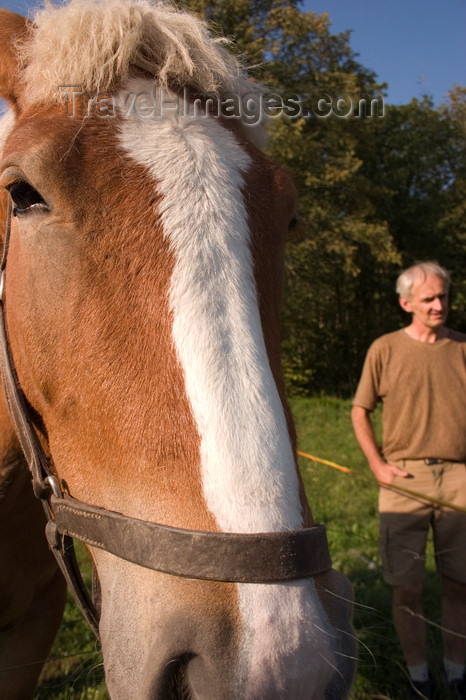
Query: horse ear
{"points": [[12, 28]]}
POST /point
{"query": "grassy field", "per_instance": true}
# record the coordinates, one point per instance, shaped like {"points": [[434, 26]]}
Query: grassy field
{"points": [[348, 506]]}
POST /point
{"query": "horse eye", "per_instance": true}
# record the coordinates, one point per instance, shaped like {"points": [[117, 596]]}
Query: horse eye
{"points": [[25, 198]]}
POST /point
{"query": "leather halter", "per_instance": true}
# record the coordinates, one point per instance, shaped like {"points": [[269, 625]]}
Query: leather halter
{"points": [[213, 556]]}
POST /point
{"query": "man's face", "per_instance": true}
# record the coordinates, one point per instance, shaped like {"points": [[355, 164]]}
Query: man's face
{"points": [[428, 303]]}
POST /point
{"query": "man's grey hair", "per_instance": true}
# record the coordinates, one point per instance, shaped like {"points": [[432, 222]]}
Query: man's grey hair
{"points": [[419, 272]]}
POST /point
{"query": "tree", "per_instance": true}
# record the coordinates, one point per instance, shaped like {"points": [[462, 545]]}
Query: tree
{"points": [[377, 189], [417, 163], [452, 221]]}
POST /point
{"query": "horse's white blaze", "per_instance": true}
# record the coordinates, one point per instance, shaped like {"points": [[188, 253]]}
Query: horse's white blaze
{"points": [[248, 472]]}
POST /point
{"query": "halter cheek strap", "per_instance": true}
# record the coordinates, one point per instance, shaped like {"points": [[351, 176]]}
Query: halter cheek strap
{"points": [[271, 557]]}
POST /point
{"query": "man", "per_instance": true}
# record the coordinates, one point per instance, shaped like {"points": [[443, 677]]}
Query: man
{"points": [[419, 373]]}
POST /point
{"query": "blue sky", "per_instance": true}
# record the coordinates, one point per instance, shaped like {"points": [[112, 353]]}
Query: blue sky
{"points": [[416, 46]]}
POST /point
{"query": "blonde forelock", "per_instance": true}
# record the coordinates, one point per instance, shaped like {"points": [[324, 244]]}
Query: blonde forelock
{"points": [[100, 44]]}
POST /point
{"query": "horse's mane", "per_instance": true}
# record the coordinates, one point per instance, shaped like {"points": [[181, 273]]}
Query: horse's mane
{"points": [[100, 44]]}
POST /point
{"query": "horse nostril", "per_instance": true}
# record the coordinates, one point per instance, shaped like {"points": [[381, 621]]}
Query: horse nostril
{"points": [[175, 685]]}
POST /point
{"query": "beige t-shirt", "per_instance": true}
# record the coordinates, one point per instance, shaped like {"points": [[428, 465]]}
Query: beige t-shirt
{"points": [[423, 389]]}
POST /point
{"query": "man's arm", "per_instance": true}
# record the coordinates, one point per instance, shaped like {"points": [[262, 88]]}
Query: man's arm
{"points": [[364, 431]]}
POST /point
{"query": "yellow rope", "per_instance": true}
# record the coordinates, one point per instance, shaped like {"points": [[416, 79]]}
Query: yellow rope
{"points": [[408, 492]]}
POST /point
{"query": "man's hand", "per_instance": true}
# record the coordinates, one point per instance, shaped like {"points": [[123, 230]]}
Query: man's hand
{"points": [[384, 472]]}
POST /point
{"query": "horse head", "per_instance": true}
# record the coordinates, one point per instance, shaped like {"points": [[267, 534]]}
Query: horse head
{"points": [[142, 298]]}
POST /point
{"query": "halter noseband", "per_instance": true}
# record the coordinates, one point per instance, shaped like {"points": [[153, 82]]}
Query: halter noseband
{"points": [[269, 557]]}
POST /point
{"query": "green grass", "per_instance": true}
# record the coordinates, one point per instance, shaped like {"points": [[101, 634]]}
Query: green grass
{"points": [[347, 505]]}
